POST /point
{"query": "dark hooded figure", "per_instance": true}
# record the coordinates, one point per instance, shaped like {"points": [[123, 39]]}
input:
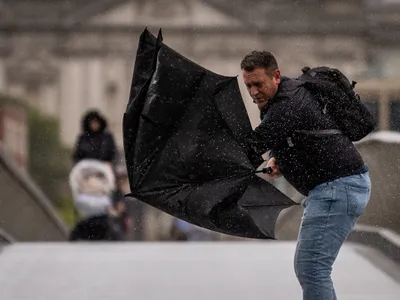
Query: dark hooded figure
{"points": [[95, 142]]}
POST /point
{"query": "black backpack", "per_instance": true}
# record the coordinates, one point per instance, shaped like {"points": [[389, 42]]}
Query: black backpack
{"points": [[338, 98]]}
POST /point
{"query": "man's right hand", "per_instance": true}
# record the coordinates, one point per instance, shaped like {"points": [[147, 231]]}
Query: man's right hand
{"points": [[276, 173]]}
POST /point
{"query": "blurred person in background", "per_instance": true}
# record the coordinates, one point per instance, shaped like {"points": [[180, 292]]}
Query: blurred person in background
{"points": [[95, 141], [94, 210], [92, 183]]}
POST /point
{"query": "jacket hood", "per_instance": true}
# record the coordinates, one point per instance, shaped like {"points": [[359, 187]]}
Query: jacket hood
{"points": [[93, 115]]}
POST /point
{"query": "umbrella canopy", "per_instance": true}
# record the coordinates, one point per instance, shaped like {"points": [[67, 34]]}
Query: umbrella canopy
{"points": [[183, 128]]}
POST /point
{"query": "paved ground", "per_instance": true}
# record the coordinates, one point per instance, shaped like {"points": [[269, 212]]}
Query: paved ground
{"points": [[171, 271]]}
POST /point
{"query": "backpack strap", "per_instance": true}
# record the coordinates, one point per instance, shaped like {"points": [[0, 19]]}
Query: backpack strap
{"points": [[320, 132]]}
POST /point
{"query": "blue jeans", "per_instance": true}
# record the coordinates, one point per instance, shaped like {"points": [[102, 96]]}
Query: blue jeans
{"points": [[330, 213]]}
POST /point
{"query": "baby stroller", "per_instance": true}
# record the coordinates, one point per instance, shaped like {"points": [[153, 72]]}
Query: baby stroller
{"points": [[92, 183]]}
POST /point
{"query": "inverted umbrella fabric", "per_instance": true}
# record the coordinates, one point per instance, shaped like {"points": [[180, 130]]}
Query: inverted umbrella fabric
{"points": [[182, 129]]}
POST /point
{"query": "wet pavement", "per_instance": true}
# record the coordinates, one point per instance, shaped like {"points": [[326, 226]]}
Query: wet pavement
{"points": [[189, 271]]}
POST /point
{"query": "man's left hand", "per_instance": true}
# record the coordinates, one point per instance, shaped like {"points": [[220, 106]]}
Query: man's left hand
{"points": [[276, 173]]}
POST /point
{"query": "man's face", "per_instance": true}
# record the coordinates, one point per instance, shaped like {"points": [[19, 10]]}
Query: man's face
{"points": [[261, 86]]}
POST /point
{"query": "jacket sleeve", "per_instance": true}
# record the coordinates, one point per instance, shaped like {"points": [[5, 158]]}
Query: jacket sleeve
{"points": [[279, 123]]}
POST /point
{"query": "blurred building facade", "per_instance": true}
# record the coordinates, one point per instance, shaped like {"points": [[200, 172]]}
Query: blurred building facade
{"points": [[69, 56]]}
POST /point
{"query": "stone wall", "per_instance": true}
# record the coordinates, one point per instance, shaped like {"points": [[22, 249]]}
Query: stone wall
{"points": [[25, 213]]}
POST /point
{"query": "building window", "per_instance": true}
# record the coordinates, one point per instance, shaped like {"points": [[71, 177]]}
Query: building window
{"points": [[373, 107], [111, 94], [394, 121]]}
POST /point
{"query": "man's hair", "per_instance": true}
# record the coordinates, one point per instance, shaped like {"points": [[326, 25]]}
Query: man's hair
{"points": [[259, 59]]}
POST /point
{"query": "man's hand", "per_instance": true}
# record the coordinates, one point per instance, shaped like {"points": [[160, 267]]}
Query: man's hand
{"points": [[276, 173]]}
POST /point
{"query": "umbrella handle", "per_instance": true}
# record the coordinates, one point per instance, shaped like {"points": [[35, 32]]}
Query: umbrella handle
{"points": [[265, 170]]}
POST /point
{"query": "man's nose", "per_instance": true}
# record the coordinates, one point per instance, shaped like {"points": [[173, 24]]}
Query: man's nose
{"points": [[253, 91]]}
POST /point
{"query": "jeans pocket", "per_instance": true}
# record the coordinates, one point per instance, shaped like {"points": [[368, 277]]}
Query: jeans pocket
{"points": [[357, 200]]}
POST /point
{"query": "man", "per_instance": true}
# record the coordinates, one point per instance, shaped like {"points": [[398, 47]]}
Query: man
{"points": [[327, 168]]}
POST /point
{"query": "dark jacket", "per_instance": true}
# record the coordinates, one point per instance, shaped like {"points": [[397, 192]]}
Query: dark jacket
{"points": [[95, 145], [305, 160]]}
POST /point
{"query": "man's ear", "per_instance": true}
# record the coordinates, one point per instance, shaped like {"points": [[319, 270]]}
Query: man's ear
{"points": [[276, 76]]}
